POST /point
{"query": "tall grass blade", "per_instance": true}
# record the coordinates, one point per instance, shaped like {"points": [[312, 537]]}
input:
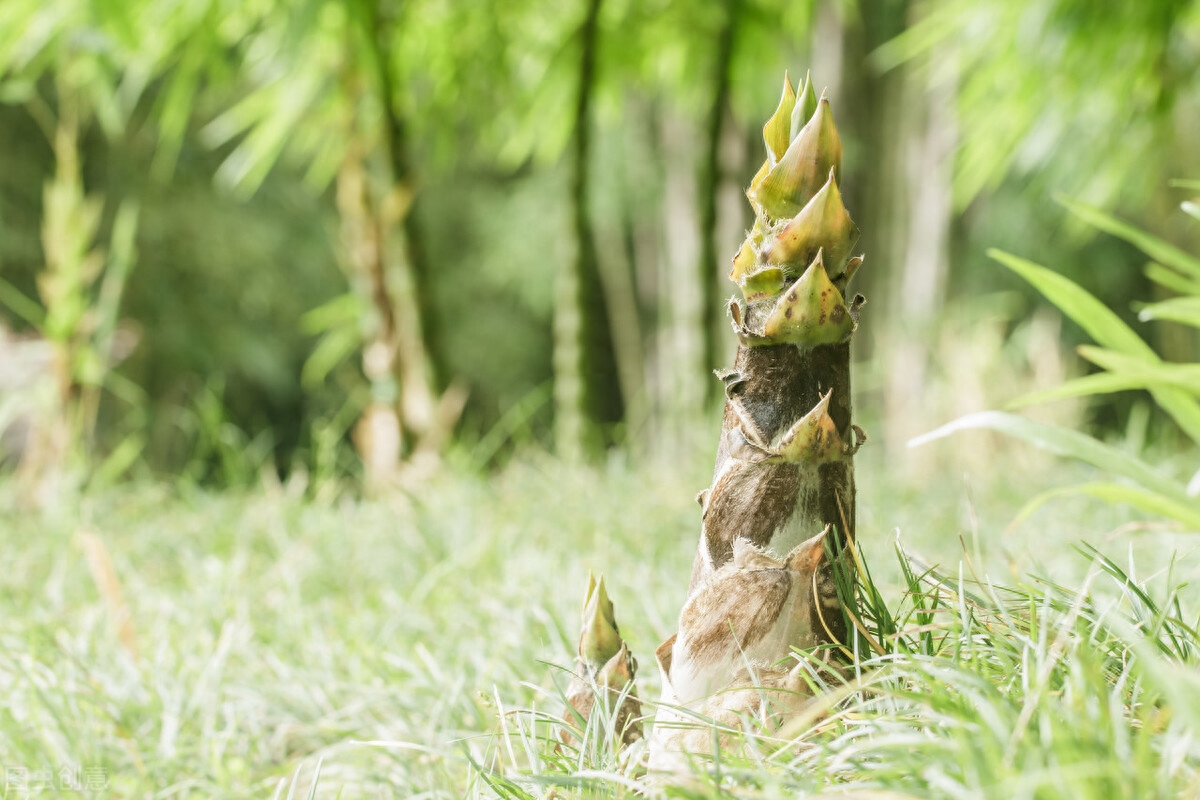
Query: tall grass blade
{"points": [[1145, 499], [1171, 279], [1106, 328], [1152, 246], [1100, 383], [1185, 377], [1062, 442], [1096, 319], [1184, 310]]}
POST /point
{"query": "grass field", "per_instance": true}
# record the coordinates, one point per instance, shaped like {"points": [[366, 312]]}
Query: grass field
{"points": [[157, 641]]}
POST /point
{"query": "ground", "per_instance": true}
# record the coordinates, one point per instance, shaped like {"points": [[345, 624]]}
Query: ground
{"points": [[234, 640]]}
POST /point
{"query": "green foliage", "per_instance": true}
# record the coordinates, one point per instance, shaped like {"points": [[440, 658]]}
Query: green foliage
{"points": [[1074, 95], [1128, 363], [418, 646], [1061, 442], [962, 687], [264, 94], [107, 57]]}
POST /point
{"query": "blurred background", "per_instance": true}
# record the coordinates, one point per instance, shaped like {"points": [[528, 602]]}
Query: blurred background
{"points": [[352, 239]]}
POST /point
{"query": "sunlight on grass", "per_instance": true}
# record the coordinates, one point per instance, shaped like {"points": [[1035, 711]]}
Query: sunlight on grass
{"points": [[419, 646]]}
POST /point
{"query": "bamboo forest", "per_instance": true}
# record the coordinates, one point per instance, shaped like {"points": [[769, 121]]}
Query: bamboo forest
{"points": [[600, 399]]}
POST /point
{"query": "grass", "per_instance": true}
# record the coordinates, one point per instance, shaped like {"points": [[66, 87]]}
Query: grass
{"points": [[177, 643]]}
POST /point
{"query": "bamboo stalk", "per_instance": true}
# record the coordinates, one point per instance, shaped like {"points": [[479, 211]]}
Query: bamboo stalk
{"points": [[783, 481]]}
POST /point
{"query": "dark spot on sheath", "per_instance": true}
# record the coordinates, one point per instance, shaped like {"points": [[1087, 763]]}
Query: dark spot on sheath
{"points": [[787, 312]]}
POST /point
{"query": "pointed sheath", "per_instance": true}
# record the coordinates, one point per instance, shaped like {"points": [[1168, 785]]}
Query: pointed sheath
{"points": [[812, 312], [802, 170], [763, 284], [599, 639], [743, 263], [806, 104], [823, 224], [814, 439], [604, 669], [754, 610], [776, 133]]}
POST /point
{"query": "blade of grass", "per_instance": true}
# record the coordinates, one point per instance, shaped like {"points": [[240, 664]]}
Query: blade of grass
{"points": [[1062, 442], [1099, 322], [1100, 383], [1184, 310], [1152, 246], [1143, 499], [1171, 279]]}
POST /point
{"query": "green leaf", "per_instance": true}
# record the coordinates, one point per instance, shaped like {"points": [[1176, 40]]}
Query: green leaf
{"points": [[119, 461], [1184, 183], [1183, 409], [1085, 310], [1062, 442], [1106, 328], [1191, 208], [1185, 310], [1170, 678], [1183, 511], [19, 304], [1171, 279], [515, 419], [1152, 246], [344, 309], [175, 109], [1179, 376], [16, 91], [121, 257], [124, 389], [1101, 383], [331, 350]]}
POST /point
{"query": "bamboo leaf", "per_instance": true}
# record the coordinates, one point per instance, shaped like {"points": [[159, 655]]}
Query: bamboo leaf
{"points": [[121, 257], [344, 309], [20, 304], [177, 103], [1152, 246], [1101, 383], [1106, 328], [1086, 311], [1179, 376], [1182, 408], [1191, 208], [1171, 279], [119, 461], [1063, 442], [1184, 310], [1144, 499], [331, 350]]}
